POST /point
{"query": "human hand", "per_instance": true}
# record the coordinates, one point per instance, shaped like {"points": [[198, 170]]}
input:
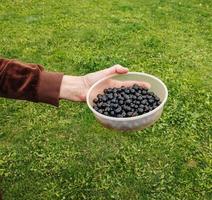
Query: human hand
{"points": [[75, 88]]}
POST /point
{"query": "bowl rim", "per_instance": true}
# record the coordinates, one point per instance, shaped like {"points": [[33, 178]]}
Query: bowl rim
{"points": [[126, 118]]}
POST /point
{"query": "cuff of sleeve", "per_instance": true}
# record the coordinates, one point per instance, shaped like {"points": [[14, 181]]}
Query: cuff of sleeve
{"points": [[49, 87]]}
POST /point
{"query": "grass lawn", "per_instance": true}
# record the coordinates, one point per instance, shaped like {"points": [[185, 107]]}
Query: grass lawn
{"points": [[64, 153]]}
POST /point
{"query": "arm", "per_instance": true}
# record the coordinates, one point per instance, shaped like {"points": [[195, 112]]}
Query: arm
{"points": [[30, 82]]}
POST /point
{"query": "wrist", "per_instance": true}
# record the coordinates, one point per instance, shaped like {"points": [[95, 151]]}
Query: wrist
{"points": [[73, 88]]}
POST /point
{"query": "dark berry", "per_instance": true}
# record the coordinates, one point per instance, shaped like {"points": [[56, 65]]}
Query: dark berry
{"points": [[132, 105], [112, 113], [140, 110], [126, 91], [121, 102], [141, 106], [151, 101], [113, 101], [137, 102], [123, 88], [157, 98], [115, 90], [107, 109], [151, 93], [154, 106], [134, 97], [140, 98], [109, 102], [134, 114], [105, 91], [124, 114], [104, 105], [100, 111], [132, 91], [100, 104], [105, 113], [128, 101], [126, 96], [129, 114], [95, 100], [115, 95], [110, 96], [136, 86], [123, 93], [95, 107], [99, 96], [104, 98], [146, 109], [126, 108], [151, 108], [118, 110], [144, 101], [115, 105], [144, 92], [120, 98]]}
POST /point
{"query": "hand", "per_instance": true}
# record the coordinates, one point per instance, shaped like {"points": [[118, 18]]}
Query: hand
{"points": [[75, 88]]}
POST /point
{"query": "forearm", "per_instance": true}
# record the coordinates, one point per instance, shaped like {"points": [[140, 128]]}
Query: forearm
{"points": [[29, 82]]}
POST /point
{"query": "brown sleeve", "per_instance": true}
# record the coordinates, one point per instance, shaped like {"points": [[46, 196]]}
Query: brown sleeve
{"points": [[29, 82]]}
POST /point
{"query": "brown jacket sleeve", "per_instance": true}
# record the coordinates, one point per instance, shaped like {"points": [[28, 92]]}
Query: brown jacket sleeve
{"points": [[29, 82]]}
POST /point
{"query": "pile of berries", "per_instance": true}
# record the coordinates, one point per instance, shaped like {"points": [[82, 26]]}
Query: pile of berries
{"points": [[126, 101]]}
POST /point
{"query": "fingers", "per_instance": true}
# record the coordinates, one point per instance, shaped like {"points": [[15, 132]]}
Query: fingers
{"points": [[140, 83], [116, 69], [118, 84], [119, 69]]}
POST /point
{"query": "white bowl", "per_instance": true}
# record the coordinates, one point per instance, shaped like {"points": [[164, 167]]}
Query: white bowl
{"points": [[129, 123]]}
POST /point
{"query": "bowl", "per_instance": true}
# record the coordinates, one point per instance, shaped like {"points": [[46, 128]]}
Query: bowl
{"points": [[130, 123]]}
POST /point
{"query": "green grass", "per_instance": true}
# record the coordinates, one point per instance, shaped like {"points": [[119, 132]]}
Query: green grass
{"points": [[50, 153]]}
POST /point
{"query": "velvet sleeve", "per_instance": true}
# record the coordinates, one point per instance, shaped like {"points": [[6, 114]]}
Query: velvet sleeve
{"points": [[30, 82]]}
